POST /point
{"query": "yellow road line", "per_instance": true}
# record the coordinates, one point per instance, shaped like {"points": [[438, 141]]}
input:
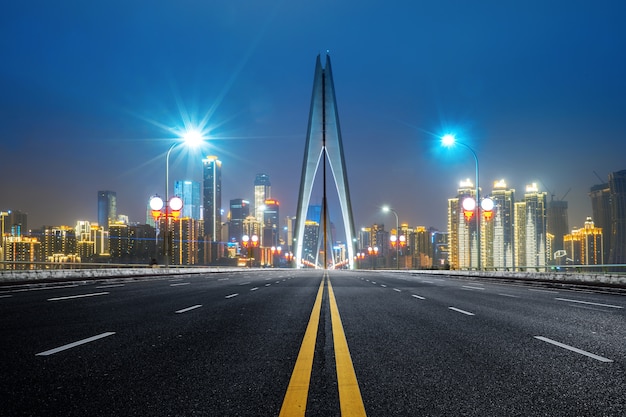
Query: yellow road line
{"points": [[350, 398], [294, 403]]}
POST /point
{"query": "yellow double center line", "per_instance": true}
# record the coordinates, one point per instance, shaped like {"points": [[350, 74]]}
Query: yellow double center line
{"points": [[350, 400]]}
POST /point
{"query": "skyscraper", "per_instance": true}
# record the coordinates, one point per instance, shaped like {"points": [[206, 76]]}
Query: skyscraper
{"points": [[532, 248], [239, 211], [262, 192], [499, 231], [557, 222], [601, 214], [189, 192], [617, 187], [107, 208], [462, 231], [271, 223], [212, 198]]}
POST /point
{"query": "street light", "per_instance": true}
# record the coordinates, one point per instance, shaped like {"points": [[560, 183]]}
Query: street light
{"points": [[191, 138], [387, 209], [448, 141]]}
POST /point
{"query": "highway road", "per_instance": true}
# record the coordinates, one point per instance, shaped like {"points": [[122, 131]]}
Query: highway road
{"points": [[310, 342]]}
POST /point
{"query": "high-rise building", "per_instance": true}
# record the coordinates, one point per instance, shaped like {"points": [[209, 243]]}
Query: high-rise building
{"points": [[557, 222], [531, 232], [617, 186], [24, 250], [421, 248], [185, 247], [463, 236], [239, 211], [189, 192], [212, 199], [601, 213], [498, 231], [15, 223], [107, 208], [271, 223], [584, 246], [262, 192]]}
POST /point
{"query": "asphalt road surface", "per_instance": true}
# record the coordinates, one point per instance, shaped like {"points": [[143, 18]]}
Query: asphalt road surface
{"points": [[310, 342]]}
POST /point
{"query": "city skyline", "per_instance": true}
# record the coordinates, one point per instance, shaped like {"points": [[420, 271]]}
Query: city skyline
{"points": [[88, 106]]}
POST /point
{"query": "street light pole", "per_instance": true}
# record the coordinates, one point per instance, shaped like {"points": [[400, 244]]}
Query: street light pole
{"points": [[192, 138], [450, 140], [386, 209], [166, 238]]}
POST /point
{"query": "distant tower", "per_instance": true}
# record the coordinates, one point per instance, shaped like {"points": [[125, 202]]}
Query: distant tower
{"points": [[557, 222], [262, 192], [584, 246], [461, 230], [617, 186], [239, 211], [16, 224], [601, 213], [501, 227], [532, 249], [271, 223], [212, 175], [107, 208], [323, 144], [189, 192]]}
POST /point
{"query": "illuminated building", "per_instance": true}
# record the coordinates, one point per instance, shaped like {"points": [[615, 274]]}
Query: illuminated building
{"points": [[15, 223], [421, 248], [251, 226], [189, 192], [462, 230], [118, 242], [557, 222], [212, 209], [531, 234], [584, 246], [24, 250], [185, 245], [239, 211], [617, 187], [262, 192], [601, 210], [107, 208], [58, 240], [498, 230], [270, 223]]}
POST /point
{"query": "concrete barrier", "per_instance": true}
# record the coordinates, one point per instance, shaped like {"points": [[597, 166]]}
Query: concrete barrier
{"points": [[73, 274], [565, 277]]}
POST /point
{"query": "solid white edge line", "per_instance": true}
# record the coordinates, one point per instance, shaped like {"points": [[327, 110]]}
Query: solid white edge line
{"points": [[74, 344], [588, 302], [573, 349], [69, 297], [458, 310], [232, 295], [417, 296], [184, 310]]}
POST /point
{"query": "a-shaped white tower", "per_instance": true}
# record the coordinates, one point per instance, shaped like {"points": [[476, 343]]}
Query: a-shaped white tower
{"points": [[323, 143]]}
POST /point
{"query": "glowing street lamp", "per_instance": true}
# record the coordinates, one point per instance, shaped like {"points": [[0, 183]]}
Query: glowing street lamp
{"points": [[448, 141], [190, 138], [387, 209]]}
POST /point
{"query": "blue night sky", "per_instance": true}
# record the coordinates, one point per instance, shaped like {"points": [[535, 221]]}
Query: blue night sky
{"points": [[94, 93]]}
